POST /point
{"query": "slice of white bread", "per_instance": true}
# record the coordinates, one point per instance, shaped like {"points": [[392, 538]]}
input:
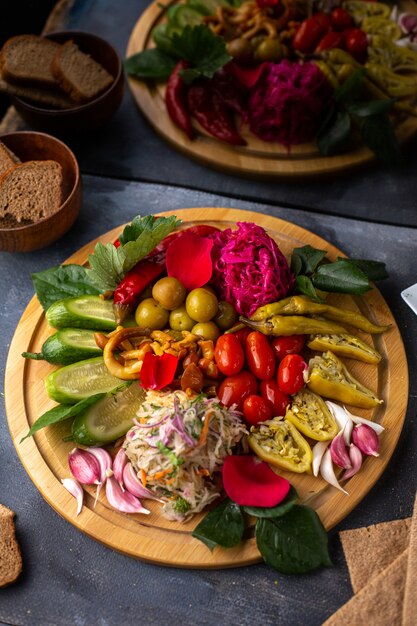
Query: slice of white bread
{"points": [[78, 74], [7, 159], [31, 191], [10, 557], [45, 96], [27, 59]]}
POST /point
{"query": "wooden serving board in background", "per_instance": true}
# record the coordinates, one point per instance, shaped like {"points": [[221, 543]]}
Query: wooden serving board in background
{"points": [[258, 158], [152, 537]]}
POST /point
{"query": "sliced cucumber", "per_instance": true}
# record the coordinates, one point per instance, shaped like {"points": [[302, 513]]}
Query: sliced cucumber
{"points": [[110, 418], [82, 312], [161, 39], [66, 346], [80, 380]]}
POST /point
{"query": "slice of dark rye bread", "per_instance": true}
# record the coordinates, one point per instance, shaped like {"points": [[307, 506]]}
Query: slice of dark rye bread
{"points": [[10, 557], [7, 159], [26, 60], [78, 74], [31, 191], [51, 97]]}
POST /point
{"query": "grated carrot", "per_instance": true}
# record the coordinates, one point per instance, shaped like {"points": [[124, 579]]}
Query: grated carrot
{"points": [[203, 435], [143, 477]]}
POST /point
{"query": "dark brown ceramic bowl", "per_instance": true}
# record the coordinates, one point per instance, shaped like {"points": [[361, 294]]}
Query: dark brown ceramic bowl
{"points": [[31, 146], [84, 117]]}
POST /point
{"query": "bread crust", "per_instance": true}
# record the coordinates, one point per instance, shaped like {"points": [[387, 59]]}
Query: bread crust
{"points": [[23, 78], [10, 556]]}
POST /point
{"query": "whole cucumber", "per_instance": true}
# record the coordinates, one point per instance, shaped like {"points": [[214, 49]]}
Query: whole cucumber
{"points": [[66, 346]]}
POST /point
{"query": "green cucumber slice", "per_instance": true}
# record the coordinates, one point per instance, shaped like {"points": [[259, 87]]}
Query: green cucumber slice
{"points": [[82, 312], [78, 381], [66, 346], [109, 418]]}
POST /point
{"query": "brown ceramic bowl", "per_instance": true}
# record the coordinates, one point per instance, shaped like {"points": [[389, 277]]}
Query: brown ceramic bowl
{"points": [[31, 146], [84, 117]]}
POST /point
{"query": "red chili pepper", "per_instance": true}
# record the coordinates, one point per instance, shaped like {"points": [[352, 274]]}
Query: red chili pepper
{"points": [[212, 114], [139, 277], [158, 371], [176, 100]]}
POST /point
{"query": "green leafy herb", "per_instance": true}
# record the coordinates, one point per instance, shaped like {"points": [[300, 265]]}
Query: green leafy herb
{"points": [[351, 87], [304, 285], [334, 133], [294, 543], [341, 277], [62, 412], [374, 270], [374, 107], [310, 258], [109, 264], [223, 526], [63, 281], [378, 134], [153, 63], [274, 511]]}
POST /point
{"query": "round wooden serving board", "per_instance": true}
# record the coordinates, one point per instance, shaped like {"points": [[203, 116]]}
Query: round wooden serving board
{"points": [[258, 158], [152, 537]]}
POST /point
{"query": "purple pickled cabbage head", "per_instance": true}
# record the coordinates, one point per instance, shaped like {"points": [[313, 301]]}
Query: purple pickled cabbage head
{"points": [[288, 101], [249, 270]]}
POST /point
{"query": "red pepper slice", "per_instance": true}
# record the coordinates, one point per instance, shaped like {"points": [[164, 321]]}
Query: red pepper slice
{"points": [[211, 113], [176, 100], [158, 371], [246, 76]]}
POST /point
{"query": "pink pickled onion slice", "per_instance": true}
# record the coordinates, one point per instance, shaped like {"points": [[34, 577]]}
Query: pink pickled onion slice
{"points": [[158, 371], [189, 260], [250, 482]]}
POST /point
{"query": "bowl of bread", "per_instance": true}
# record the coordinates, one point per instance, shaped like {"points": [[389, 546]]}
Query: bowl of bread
{"points": [[65, 82], [40, 190]]}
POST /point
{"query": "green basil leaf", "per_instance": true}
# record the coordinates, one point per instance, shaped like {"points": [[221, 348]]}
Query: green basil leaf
{"points": [[63, 281], [274, 511], [62, 412], [295, 543], [150, 64], [310, 258], [341, 277], [223, 526], [333, 137], [374, 107], [304, 285], [378, 134], [351, 88], [374, 270]]}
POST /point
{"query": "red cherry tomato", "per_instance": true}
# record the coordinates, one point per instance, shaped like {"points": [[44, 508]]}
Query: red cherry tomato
{"points": [[260, 356], [229, 355], [331, 40], [235, 389], [356, 43], [256, 409], [308, 35], [242, 335], [277, 399], [293, 344], [290, 373], [340, 19]]}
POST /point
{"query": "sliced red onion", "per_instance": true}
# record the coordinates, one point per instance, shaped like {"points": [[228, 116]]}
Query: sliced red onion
{"points": [[342, 418], [356, 461], [327, 471], [378, 428], [318, 450], [134, 485], [119, 463], [75, 489], [338, 450], [366, 439], [408, 23], [122, 500], [84, 466]]}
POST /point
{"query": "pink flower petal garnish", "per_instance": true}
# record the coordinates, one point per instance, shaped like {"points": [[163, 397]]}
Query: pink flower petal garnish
{"points": [[250, 482], [157, 371], [189, 260]]}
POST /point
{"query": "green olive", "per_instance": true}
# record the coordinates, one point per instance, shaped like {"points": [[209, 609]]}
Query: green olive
{"points": [[150, 314], [240, 49], [180, 320], [269, 50], [201, 305], [226, 316], [255, 42], [169, 292], [207, 330]]}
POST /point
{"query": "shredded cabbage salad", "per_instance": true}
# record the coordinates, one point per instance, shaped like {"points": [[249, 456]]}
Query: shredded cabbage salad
{"points": [[177, 447]]}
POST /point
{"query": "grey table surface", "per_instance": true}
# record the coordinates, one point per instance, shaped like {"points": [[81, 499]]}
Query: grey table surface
{"points": [[68, 578], [128, 148]]}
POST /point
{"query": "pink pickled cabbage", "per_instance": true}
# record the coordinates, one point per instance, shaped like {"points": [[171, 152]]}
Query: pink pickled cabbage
{"points": [[287, 102], [249, 270]]}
